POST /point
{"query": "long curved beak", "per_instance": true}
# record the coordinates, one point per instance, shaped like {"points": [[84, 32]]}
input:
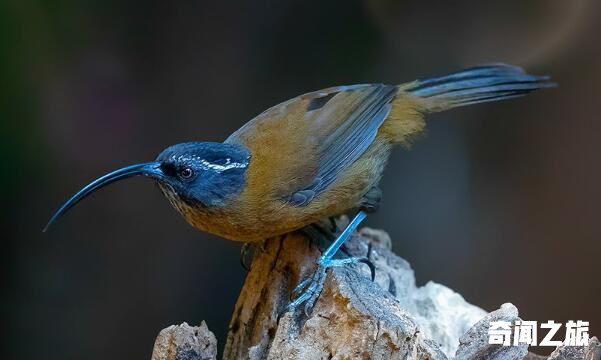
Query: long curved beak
{"points": [[150, 169]]}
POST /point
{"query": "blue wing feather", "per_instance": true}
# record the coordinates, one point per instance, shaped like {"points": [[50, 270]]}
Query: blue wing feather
{"points": [[350, 140]]}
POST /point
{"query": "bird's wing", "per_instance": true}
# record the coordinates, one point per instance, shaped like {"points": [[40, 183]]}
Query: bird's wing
{"points": [[306, 142]]}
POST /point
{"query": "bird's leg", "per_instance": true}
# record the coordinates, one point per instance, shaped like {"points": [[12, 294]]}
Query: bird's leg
{"points": [[309, 289], [334, 230]]}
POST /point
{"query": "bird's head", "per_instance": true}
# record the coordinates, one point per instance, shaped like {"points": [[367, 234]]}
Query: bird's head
{"points": [[199, 175]]}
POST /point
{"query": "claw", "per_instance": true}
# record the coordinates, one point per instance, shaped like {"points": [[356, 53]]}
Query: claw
{"points": [[308, 290], [369, 263], [301, 286], [372, 267], [301, 299], [312, 299]]}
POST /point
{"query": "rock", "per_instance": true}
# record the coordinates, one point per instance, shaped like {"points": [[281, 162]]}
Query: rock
{"points": [[441, 314], [474, 343], [345, 326], [353, 318], [590, 352], [185, 342]]}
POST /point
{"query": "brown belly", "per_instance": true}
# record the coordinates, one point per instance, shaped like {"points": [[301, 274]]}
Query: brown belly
{"points": [[255, 217], [256, 224]]}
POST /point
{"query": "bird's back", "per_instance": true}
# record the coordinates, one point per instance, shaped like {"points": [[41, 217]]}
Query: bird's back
{"points": [[321, 153], [316, 155]]}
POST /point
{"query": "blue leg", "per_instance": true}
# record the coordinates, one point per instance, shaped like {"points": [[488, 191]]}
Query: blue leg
{"points": [[308, 290]]}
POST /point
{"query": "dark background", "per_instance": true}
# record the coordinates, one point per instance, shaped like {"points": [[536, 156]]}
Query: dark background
{"points": [[500, 202]]}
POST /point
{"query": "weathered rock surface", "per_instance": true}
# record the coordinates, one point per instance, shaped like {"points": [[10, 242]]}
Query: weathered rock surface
{"points": [[354, 318], [590, 352], [185, 342], [474, 343]]}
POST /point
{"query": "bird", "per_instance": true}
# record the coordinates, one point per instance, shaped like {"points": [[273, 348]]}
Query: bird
{"points": [[309, 158]]}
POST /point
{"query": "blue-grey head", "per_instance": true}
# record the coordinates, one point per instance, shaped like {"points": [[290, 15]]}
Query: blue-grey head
{"points": [[201, 175]]}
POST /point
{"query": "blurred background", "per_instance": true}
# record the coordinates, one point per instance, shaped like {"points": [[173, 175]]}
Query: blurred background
{"points": [[500, 202]]}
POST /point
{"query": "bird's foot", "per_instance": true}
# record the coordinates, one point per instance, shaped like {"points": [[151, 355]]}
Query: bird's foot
{"points": [[308, 290]]}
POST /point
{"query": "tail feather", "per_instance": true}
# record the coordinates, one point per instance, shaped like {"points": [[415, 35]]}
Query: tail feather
{"points": [[476, 85]]}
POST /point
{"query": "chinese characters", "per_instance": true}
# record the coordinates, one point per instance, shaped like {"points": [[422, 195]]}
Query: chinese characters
{"points": [[526, 332]]}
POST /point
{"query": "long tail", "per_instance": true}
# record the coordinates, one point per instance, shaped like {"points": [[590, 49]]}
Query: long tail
{"points": [[470, 86], [476, 85]]}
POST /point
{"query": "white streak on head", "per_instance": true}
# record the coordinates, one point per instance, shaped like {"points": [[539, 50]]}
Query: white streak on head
{"points": [[227, 166], [208, 165]]}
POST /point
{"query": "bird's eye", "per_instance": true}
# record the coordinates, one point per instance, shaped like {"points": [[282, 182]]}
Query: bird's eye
{"points": [[186, 173]]}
